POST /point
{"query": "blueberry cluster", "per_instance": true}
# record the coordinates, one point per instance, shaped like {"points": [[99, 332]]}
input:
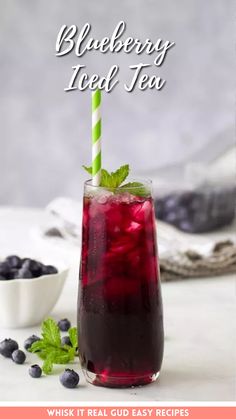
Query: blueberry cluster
{"points": [[14, 267], [197, 211], [9, 348]]}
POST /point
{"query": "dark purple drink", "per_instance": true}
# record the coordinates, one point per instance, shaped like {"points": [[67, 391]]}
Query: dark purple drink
{"points": [[120, 307]]}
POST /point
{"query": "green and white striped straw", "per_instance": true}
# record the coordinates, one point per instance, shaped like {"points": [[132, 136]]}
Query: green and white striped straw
{"points": [[96, 137]]}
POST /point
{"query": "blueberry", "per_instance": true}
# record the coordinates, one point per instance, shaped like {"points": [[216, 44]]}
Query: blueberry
{"points": [[35, 371], [18, 356], [197, 202], [65, 340], [49, 270], [14, 261], [64, 325], [4, 269], [186, 198], [7, 346], [171, 217], [38, 272], [186, 226], [159, 208], [13, 273], [201, 217], [28, 342], [23, 274], [182, 213], [33, 266], [171, 202], [69, 378]]}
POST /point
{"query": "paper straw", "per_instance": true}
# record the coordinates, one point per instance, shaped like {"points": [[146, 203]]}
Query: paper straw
{"points": [[96, 137]]}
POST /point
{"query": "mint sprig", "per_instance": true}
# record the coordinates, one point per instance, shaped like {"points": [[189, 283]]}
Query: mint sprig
{"points": [[50, 349], [135, 188], [113, 181]]}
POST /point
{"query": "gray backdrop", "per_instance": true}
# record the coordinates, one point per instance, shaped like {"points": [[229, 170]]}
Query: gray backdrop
{"points": [[45, 132]]}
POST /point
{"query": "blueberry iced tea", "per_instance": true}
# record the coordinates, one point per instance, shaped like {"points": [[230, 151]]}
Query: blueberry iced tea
{"points": [[120, 307]]}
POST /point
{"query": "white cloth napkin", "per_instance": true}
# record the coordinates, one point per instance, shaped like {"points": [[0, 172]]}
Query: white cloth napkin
{"points": [[66, 220], [65, 223], [181, 255]]}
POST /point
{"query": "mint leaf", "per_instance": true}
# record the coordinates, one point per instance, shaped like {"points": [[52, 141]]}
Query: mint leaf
{"points": [[106, 179], [71, 353], [73, 337], [51, 332], [44, 353], [60, 356], [47, 365], [88, 169], [37, 346], [135, 188], [114, 179], [56, 356], [120, 175]]}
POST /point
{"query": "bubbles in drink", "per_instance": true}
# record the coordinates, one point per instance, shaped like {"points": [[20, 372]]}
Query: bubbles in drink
{"points": [[103, 197]]}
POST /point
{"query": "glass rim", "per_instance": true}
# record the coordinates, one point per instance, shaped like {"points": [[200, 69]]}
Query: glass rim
{"points": [[145, 182]]}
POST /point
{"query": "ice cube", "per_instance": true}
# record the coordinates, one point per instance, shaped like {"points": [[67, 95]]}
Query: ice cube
{"points": [[125, 198], [103, 196], [102, 199], [133, 227], [142, 212]]}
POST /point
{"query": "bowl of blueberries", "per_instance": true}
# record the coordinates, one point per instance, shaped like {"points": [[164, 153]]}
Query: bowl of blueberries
{"points": [[197, 211], [29, 289]]}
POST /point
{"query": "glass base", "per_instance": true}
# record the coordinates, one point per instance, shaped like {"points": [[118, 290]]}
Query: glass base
{"points": [[104, 380]]}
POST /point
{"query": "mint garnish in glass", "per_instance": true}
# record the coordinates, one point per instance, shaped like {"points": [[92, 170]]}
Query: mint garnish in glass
{"points": [[114, 181]]}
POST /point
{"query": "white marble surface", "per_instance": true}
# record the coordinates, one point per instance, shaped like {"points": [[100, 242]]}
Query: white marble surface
{"points": [[199, 361]]}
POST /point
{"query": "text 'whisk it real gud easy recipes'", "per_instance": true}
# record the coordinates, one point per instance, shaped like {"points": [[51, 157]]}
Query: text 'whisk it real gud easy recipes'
{"points": [[70, 39], [150, 412]]}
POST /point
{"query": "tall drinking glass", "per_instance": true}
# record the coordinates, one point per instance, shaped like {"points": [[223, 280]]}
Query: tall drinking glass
{"points": [[120, 317]]}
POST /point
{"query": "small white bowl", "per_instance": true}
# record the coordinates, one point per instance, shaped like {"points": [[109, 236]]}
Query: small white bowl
{"points": [[26, 302]]}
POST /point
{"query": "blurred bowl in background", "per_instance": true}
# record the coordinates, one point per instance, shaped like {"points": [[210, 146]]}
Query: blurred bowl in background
{"points": [[195, 197]]}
